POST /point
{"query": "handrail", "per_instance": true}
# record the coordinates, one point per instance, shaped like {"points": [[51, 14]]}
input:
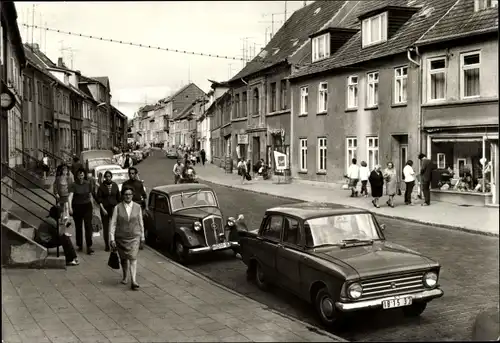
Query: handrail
{"points": [[9, 169], [67, 154], [50, 154], [35, 215], [38, 195], [6, 184], [30, 158]]}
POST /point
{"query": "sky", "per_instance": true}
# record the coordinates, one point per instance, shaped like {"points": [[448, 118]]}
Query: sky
{"points": [[140, 75]]}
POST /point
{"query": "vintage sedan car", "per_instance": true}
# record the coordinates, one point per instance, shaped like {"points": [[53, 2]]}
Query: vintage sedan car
{"points": [[137, 156], [187, 219], [336, 258], [171, 153]]}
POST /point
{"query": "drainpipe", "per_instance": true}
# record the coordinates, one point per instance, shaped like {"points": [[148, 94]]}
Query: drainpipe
{"points": [[419, 95]]}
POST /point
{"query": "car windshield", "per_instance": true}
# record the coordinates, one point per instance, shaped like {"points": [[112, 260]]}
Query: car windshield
{"points": [[338, 229], [193, 199], [120, 176]]}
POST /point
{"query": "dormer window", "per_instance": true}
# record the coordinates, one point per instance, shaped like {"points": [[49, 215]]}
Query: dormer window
{"points": [[321, 47], [374, 29], [480, 5]]}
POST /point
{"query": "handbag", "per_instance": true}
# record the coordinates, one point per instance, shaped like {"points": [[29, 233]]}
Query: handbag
{"points": [[114, 260], [248, 177]]}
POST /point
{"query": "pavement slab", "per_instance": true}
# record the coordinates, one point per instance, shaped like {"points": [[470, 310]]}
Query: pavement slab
{"points": [[87, 303]]}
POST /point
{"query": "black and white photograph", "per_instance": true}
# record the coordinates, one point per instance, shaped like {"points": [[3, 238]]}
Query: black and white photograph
{"points": [[250, 171]]}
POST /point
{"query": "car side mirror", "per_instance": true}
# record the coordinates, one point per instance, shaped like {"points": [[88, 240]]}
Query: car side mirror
{"points": [[382, 226]]}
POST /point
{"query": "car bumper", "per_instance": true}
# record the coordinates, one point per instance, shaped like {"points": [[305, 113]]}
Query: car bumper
{"points": [[202, 250], [426, 295]]}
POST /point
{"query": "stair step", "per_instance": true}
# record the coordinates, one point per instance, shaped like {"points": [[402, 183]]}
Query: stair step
{"points": [[14, 224], [27, 232]]}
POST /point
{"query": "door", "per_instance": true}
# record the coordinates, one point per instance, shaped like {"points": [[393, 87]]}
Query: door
{"points": [[288, 256], [269, 239], [163, 219], [255, 150]]}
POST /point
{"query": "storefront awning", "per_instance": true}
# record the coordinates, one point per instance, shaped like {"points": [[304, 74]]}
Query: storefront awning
{"points": [[457, 140]]}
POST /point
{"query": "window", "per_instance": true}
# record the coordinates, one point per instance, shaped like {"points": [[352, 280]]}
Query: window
{"points": [[323, 97], [25, 89], [372, 89], [237, 106], [256, 102], [30, 89], [303, 154], [304, 99], [469, 78], [161, 203], [480, 5], [400, 85], [437, 79], [372, 143], [321, 47], [374, 29], [273, 227], [283, 98], [322, 155], [441, 161], [273, 97], [351, 150], [244, 104], [39, 93], [291, 232], [352, 91]]}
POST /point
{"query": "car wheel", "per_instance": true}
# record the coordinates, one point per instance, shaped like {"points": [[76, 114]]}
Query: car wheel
{"points": [[180, 251], [325, 307], [260, 278], [415, 309]]}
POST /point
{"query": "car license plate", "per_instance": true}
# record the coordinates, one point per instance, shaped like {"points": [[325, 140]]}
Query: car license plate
{"points": [[397, 302], [220, 246]]}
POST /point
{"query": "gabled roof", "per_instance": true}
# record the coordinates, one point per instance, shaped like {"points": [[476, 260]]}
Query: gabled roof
{"points": [[118, 111], [461, 21], [179, 91], [352, 53], [186, 111], [33, 57], [104, 80], [292, 36]]}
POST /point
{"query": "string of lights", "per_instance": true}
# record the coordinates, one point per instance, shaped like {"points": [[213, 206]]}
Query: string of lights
{"points": [[132, 43]]}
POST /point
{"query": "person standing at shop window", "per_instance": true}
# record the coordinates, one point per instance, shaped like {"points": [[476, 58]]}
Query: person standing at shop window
{"points": [[409, 179]]}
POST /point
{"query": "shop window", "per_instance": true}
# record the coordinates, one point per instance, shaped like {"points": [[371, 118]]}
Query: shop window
{"points": [[469, 85], [351, 150], [352, 91], [372, 149], [437, 79], [303, 154], [372, 89]]}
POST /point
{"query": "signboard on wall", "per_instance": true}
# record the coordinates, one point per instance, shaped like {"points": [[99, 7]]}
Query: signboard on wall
{"points": [[281, 160], [243, 139]]}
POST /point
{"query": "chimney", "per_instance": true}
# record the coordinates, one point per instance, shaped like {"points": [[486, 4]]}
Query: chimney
{"points": [[60, 62]]}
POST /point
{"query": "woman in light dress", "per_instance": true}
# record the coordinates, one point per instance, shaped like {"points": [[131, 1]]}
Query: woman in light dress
{"points": [[61, 188], [391, 182], [126, 235]]}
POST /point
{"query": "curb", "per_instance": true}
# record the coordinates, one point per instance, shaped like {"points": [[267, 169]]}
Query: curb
{"points": [[443, 226], [212, 282]]}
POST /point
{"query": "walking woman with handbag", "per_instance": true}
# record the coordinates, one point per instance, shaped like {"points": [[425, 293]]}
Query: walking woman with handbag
{"points": [[126, 234], [61, 188], [108, 196]]}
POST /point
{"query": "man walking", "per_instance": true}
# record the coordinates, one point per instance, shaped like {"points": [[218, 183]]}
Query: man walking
{"points": [[426, 168], [137, 185], [353, 175], [178, 167], [203, 156]]}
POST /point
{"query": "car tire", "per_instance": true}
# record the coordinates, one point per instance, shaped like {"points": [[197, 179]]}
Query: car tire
{"points": [[260, 278], [414, 310], [180, 251], [324, 304]]}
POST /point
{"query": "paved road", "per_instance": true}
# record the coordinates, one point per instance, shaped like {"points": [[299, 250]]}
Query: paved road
{"points": [[469, 275]]}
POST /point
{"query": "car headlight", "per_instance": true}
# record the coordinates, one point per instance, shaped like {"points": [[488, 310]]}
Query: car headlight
{"points": [[430, 279], [355, 291], [197, 226]]}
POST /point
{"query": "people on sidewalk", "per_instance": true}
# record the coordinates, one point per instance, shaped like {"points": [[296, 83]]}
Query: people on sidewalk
{"points": [[178, 167], [376, 184], [426, 168], [353, 176], [203, 156], [137, 185], [242, 169], [364, 174], [45, 166], [49, 236], [61, 188], [108, 196], [391, 182], [126, 235], [409, 179], [80, 193]]}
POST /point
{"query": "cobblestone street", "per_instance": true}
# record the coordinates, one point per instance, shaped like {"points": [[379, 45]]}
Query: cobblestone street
{"points": [[469, 275]]}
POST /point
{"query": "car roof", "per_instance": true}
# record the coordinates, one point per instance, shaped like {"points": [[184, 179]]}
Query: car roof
{"points": [[179, 188], [307, 210], [112, 166]]}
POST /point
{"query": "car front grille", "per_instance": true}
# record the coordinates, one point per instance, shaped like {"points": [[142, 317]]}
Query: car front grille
{"points": [[212, 232], [392, 285]]}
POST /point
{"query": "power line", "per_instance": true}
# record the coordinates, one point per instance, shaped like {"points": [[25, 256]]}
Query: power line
{"points": [[132, 43]]}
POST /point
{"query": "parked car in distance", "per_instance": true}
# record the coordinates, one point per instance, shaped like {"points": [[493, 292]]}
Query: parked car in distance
{"points": [[136, 156], [94, 158], [171, 153], [336, 258], [119, 176], [186, 218]]}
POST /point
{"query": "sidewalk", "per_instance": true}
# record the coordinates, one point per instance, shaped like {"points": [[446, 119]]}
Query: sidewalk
{"points": [[482, 220], [87, 303]]}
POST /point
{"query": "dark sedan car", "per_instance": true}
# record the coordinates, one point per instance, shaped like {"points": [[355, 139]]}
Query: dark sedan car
{"points": [[336, 257], [187, 219]]}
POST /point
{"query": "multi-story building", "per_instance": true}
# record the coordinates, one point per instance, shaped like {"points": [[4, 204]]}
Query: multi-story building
{"points": [[119, 125], [220, 123], [89, 124], [12, 60], [203, 131], [260, 95], [458, 58]]}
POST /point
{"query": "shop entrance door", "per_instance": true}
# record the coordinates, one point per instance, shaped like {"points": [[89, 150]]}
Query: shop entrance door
{"points": [[255, 150]]}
